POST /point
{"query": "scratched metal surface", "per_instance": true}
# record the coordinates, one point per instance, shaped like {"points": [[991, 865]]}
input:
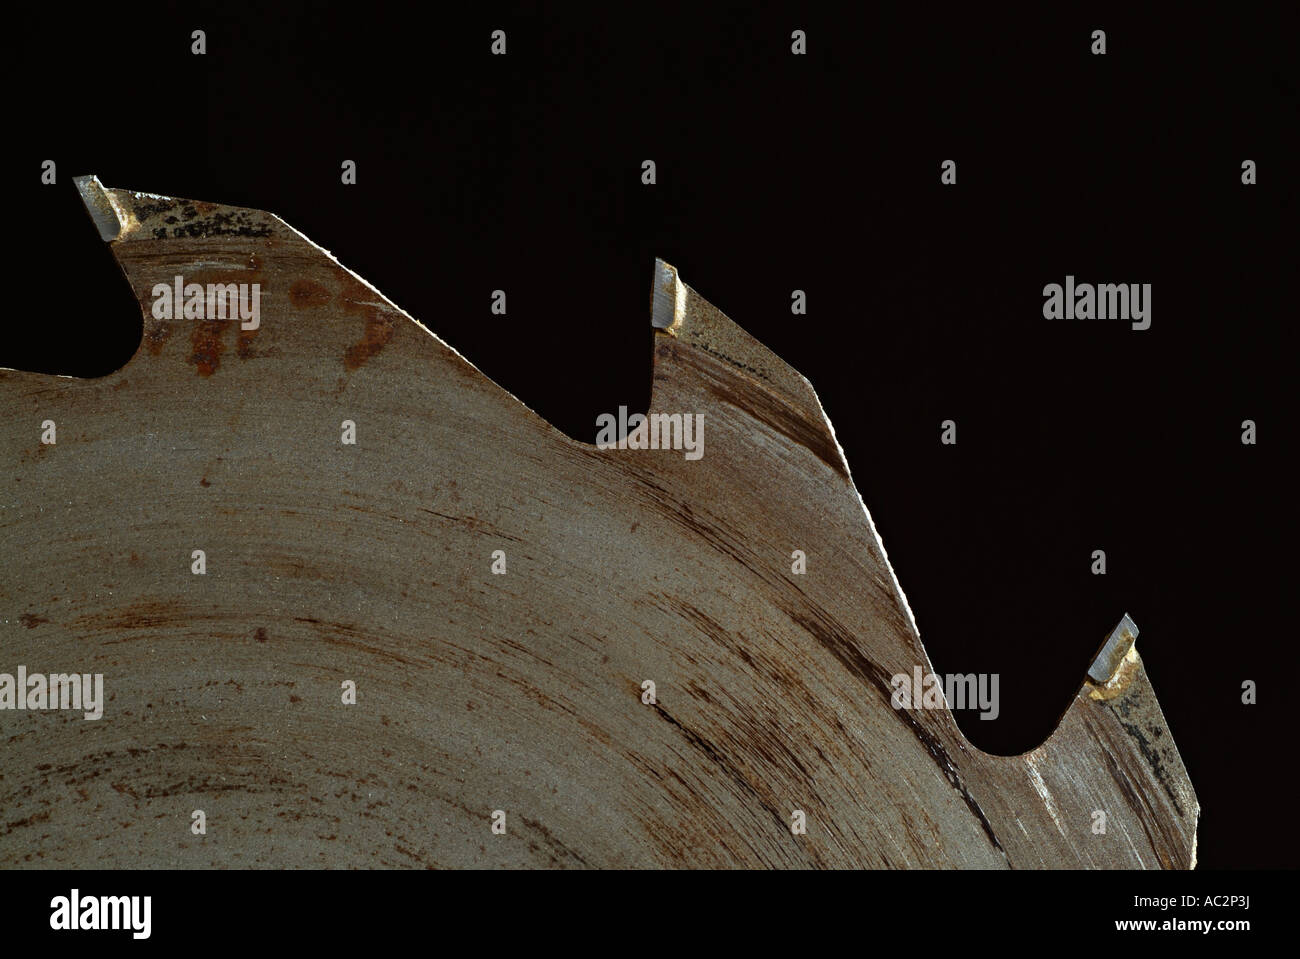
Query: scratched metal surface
{"points": [[479, 692]]}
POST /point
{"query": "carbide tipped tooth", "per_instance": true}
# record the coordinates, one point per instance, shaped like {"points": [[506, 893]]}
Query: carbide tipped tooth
{"points": [[100, 207], [668, 298], [1108, 659]]}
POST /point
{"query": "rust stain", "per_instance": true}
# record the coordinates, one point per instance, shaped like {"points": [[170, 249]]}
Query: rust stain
{"points": [[138, 616], [206, 341], [29, 821], [307, 293], [244, 343], [31, 621], [379, 330], [352, 298]]}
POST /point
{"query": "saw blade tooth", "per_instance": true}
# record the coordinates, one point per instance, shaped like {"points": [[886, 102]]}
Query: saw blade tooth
{"points": [[100, 207], [1108, 659], [667, 299]]}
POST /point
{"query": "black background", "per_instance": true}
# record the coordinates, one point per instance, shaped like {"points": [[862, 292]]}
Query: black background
{"points": [[779, 172]]}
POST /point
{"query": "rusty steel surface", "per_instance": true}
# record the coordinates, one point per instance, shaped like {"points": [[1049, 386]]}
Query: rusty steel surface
{"points": [[372, 563]]}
